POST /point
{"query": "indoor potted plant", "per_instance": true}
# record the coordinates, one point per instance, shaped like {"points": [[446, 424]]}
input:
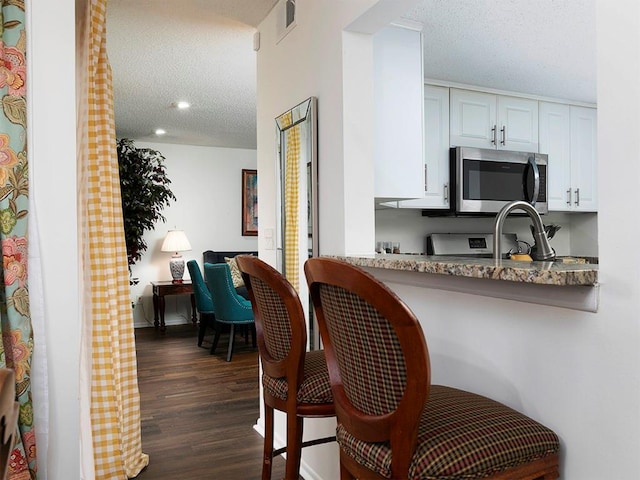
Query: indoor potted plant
{"points": [[145, 193]]}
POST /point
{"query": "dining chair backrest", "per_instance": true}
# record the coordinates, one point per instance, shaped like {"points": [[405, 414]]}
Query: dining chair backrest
{"points": [[280, 321], [367, 332], [204, 301], [229, 305]]}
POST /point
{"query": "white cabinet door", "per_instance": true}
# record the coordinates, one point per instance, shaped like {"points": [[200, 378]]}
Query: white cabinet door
{"points": [[436, 150], [398, 88], [485, 120], [473, 119], [584, 159], [568, 136], [555, 141], [517, 124]]}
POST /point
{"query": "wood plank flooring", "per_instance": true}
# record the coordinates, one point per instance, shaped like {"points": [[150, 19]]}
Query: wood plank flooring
{"points": [[198, 410]]}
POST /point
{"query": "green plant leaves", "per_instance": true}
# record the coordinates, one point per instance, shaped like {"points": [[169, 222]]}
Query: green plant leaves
{"points": [[145, 193]]}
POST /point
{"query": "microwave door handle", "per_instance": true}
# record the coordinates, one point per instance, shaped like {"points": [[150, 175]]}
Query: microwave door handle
{"points": [[536, 179]]}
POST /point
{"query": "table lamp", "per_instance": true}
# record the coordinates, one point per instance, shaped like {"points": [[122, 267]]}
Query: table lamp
{"points": [[176, 241]]}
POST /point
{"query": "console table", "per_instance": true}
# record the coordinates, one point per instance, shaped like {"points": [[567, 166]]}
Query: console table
{"points": [[167, 287]]}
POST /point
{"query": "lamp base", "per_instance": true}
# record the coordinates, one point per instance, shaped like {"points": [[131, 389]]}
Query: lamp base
{"points": [[176, 266]]}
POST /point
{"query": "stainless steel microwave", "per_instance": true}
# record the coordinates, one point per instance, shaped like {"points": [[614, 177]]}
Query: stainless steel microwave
{"points": [[483, 180]]}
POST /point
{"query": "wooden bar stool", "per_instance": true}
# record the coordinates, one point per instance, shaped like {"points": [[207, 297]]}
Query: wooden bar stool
{"points": [[392, 423], [295, 381]]}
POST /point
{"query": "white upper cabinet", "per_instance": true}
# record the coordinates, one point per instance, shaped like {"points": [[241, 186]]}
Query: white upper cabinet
{"points": [[398, 88], [485, 120], [555, 141], [568, 136], [436, 151], [584, 154]]}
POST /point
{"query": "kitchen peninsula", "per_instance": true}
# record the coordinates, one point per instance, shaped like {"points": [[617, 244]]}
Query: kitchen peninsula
{"points": [[564, 283]]}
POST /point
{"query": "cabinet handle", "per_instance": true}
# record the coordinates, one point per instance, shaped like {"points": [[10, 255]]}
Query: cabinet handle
{"points": [[425, 178], [504, 134], [569, 197], [446, 192], [493, 135], [577, 197]]}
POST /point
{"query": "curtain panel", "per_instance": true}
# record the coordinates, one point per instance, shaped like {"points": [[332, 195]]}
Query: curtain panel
{"points": [[291, 203], [110, 429], [16, 351]]}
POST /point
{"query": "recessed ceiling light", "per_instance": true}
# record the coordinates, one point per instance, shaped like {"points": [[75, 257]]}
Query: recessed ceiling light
{"points": [[160, 131], [183, 105]]}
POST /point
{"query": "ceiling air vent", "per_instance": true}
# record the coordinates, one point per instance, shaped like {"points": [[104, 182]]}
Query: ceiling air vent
{"points": [[285, 18]]}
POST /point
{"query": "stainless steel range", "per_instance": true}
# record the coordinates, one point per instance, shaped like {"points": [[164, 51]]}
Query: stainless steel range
{"points": [[469, 244]]}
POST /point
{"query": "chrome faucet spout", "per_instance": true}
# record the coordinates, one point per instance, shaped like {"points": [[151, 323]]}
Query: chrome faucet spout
{"points": [[543, 250]]}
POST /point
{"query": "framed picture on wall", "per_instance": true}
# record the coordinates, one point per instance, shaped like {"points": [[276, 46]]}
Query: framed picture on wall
{"points": [[249, 202]]}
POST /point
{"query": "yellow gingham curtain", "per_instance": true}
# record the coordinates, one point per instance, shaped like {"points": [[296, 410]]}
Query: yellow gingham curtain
{"points": [[292, 203], [108, 342]]}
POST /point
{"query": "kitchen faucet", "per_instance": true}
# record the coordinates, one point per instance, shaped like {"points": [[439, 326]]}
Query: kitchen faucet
{"points": [[542, 250]]}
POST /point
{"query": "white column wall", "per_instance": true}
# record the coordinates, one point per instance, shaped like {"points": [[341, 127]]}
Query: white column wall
{"points": [[307, 62], [51, 120]]}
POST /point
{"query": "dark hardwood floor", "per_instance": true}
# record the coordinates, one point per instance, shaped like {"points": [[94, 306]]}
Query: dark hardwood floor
{"points": [[198, 410]]}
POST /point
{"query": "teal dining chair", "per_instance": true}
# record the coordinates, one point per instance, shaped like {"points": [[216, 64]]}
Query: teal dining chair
{"points": [[230, 307], [204, 301]]}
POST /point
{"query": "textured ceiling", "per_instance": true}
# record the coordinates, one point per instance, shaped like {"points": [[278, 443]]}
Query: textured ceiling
{"points": [[201, 51], [539, 47], [198, 51]]}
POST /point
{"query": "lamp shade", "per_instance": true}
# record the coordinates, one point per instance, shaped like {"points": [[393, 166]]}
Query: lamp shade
{"points": [[176, 241]]}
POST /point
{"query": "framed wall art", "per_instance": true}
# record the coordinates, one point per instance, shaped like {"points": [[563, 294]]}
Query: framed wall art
{"points": [[249, 202]]}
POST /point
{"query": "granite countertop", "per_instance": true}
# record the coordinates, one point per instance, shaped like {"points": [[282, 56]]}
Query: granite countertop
{"points": [[562, 272]]}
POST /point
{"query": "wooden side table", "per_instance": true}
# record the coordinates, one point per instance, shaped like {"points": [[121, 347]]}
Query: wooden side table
{"points": [[163, 288]]}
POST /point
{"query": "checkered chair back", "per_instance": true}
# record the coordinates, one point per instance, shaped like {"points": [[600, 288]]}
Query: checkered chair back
{"points": [[367, 331], [280, 322]]}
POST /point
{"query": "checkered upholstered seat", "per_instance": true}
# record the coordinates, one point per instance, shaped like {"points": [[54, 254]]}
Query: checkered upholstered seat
{"points": [[295, 381], [315, 386], [392, 424]]}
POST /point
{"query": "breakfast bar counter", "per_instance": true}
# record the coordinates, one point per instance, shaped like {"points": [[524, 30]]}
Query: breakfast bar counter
{"points": [[561, 272], [566, 282]]}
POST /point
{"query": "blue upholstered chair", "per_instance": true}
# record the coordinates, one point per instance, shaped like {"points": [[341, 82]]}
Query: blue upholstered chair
{"points": [[204, 302], [231, 308]]}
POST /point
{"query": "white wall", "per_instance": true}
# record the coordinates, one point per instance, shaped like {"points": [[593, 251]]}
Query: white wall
{"points": [[52, 151], [574, 371], [207, 184]]}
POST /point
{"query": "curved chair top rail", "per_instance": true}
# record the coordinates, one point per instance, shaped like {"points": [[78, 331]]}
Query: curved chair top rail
{"points": [[280, 322], [366, 330]]}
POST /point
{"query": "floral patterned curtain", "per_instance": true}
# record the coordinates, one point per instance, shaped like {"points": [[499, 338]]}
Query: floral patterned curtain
{"points": [[17, 333]]}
